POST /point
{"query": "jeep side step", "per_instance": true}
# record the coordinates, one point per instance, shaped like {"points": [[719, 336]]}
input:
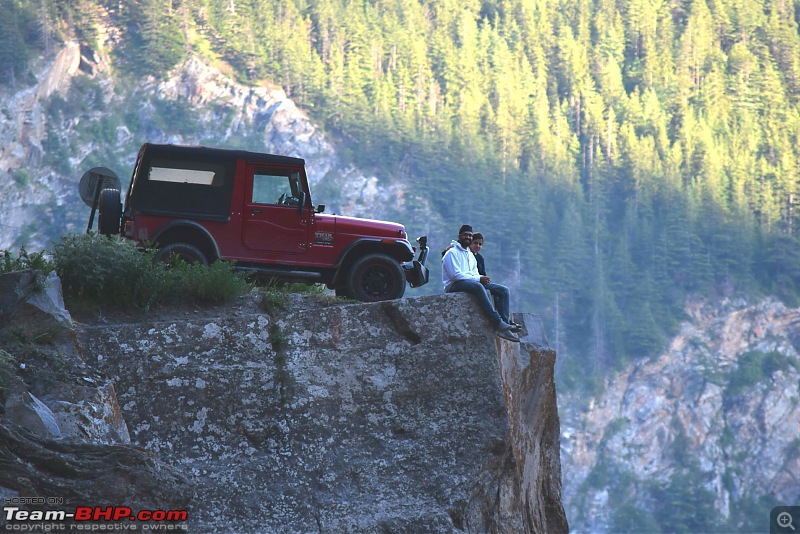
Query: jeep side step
{"points": [[304, 276]]}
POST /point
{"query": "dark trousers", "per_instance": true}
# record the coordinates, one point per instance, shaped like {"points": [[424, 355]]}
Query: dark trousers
{"points": [[501, 296], [478, 290]]}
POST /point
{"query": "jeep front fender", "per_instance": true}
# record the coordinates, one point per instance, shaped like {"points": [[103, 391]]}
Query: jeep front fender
{"points": [[399, 249]]}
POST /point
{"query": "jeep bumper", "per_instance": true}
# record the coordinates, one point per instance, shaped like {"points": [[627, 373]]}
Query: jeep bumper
{"points": [[416, 273]]}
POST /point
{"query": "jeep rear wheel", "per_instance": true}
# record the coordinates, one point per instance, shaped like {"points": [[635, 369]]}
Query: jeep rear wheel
{"points": [[186, 252], [110, 208], [376, 277]]}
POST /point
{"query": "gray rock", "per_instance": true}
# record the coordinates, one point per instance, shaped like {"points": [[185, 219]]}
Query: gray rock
{"points": [[33, 305], [15, 288], [60, 425], [347, 418], [399, 416], [693, 407], [103, 475], [29, 412]]}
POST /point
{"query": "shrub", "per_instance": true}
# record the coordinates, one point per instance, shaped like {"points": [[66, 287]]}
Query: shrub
{"points": [[105, 271], [25, 260], [272, 299], [754, 367], [7, 371], [114, 273], [21, 177], [202, 284]]}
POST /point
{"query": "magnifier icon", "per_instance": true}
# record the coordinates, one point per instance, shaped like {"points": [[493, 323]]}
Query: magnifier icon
{"points": [[785, 520]]}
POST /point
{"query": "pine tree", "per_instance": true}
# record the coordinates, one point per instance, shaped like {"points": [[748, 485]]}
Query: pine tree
{"points": [[13, 52], [162, 37]]}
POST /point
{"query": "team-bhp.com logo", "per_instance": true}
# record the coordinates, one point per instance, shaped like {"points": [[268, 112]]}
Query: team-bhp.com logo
{"points": [[93, 518]]}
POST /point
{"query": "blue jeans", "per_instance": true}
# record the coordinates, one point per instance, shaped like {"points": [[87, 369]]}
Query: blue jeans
{"points": [[501, 296], [476, 289]]}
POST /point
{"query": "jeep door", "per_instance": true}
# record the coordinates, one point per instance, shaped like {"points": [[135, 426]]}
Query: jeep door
{"points": [[274, 220]]}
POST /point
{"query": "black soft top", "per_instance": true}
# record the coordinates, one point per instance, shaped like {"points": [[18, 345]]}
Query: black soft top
{"points": [[213, 153], [204, 201]]}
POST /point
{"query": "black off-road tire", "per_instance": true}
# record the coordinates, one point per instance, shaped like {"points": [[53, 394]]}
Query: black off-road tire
{"points": [[109, 212], [376, 277], [341, 291], [185, 251]]}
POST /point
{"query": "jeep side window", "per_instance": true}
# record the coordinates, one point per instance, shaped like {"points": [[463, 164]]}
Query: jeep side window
{"points": [[186, 176], [275, 189]]}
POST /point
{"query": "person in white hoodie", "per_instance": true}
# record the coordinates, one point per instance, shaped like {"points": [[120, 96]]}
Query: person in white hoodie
{"points": [[460, 274]]}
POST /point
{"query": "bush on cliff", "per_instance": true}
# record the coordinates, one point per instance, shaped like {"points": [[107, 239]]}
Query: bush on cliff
{"points": [[23, 261], [114, 273]]}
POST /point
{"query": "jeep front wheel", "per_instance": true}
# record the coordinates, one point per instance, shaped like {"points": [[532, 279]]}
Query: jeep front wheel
{"points": [[186, 252], [376, 277]]}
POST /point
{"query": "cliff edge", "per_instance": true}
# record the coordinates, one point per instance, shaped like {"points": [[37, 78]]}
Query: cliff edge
{"points": [[407, 415]]}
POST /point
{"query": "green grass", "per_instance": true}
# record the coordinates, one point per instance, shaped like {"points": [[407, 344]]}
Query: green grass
{"points": [[275, 295]]}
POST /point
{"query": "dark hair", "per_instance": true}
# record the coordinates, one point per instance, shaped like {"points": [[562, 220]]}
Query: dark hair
{"points": [[477, 235], [464, 228]]}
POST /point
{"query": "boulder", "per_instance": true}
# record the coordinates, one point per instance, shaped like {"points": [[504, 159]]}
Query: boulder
{"points": [[32, 307]]}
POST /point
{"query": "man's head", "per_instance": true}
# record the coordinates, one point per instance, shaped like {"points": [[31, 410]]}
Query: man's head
{"points": [[465, 235], [477, 242]]}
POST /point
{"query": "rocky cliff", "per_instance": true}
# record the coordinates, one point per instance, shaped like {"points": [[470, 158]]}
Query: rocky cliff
{"points": [[703, 434], [407, 415], [62, 435]]}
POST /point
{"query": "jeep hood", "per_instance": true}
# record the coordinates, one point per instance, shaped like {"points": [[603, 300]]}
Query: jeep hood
{"points": [[367, 227]]}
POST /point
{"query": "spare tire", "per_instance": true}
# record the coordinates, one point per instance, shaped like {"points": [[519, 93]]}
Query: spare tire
{"points": [[110, 207]]}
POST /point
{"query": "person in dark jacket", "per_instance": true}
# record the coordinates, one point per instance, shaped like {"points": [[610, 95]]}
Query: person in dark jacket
{"points": [[500, 293]]}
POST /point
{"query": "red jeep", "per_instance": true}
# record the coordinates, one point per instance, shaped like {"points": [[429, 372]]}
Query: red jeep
{"points": [[204, 204]]}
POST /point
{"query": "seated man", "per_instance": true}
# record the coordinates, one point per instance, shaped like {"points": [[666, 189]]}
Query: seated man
{"points": [[500, 293], [460, 274]]}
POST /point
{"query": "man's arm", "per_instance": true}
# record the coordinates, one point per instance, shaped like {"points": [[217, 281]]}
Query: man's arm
{"points": [[481, 264]]}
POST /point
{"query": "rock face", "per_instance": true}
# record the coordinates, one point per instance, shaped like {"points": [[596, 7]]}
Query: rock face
{"points": [[364, 417], [30, 301], [61, 430], [723, 394], [531, 400]]}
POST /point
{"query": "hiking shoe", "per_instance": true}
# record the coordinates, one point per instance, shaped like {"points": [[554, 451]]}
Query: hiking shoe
{"points": [[503, 326], [514, 326], [507, 334]]}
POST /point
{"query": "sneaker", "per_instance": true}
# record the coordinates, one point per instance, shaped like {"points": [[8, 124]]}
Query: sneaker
{"points": [[507, 334]]}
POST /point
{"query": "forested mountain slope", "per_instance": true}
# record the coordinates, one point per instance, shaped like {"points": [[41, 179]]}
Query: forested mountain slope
{"points": [[619, 156]]}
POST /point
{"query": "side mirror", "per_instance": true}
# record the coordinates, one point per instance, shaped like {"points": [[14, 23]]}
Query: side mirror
{"points": [[320, 208]]}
